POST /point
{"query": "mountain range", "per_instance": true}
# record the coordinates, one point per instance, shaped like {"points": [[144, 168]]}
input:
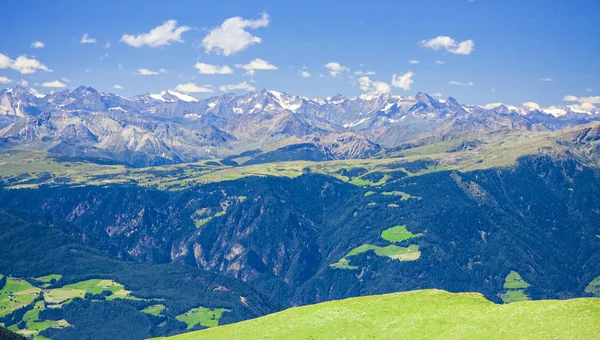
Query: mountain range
{"points": [[172, 127]]}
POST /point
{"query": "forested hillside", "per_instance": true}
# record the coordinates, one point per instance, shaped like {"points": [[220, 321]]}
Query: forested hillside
{"points": [[35, 247], [315, 238]]}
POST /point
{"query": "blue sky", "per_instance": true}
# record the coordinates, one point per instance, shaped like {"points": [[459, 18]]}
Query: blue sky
{"points": [[516, 45]]}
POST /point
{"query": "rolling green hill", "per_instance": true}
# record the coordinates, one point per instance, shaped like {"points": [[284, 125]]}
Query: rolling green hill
{"points": [[431, 314]]}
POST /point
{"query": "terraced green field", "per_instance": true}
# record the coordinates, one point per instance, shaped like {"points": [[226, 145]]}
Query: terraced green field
{"points": [[425, 314]]}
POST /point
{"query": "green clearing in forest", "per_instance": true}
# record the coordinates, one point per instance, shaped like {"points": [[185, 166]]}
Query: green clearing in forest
{"points": [[398, 234], [199, 223], [207, 317], [514, 281], [514, 296], [49, 278], [343, 263], [155, 310], [515, 288], [394, 234]]}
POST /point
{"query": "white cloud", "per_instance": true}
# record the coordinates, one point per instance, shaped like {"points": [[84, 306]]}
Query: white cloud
{"points": [[589, 90], [55, 83], [257, 65], [583, 100], [232, 37], [5, 80], [87, 40], [366, 84], [118, 87], [364, 73], [5, 61], [37, 44], [382, 87], [22, 82], [23, 64], [305, 74], [159, 36], [66, 80], [403, 81], [106, 44], [147, 72], [585, 107], [413, 61], [438, 94], [212, 69], [464, 47], [233, 87], [591, 100], [193, 88], [532, 106], [491, 105], [586, 104], [335, 68], [27, 66], [461, 84], [546, 79], [439, 62]]}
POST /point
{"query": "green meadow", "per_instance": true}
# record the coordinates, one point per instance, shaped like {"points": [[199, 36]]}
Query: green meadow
{"points": [[424, 314]]}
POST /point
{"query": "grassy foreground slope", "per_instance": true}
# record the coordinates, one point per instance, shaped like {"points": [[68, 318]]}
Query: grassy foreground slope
{"points": [[431, 314]]}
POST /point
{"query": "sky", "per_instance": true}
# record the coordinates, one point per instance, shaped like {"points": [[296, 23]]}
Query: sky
{"points": [[478, 51]]}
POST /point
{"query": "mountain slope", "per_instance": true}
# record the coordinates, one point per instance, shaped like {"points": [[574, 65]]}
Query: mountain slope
{"points": [[34, 246], [430, 314], [284, 236]]}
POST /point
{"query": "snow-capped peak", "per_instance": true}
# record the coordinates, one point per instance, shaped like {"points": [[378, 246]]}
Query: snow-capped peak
{"points": [[291, 103], [370, 96], [180, 96], [170, 96]]}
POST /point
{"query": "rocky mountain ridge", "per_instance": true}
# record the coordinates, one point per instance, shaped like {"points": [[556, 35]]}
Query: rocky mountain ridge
{"points": [[172, 127]]}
